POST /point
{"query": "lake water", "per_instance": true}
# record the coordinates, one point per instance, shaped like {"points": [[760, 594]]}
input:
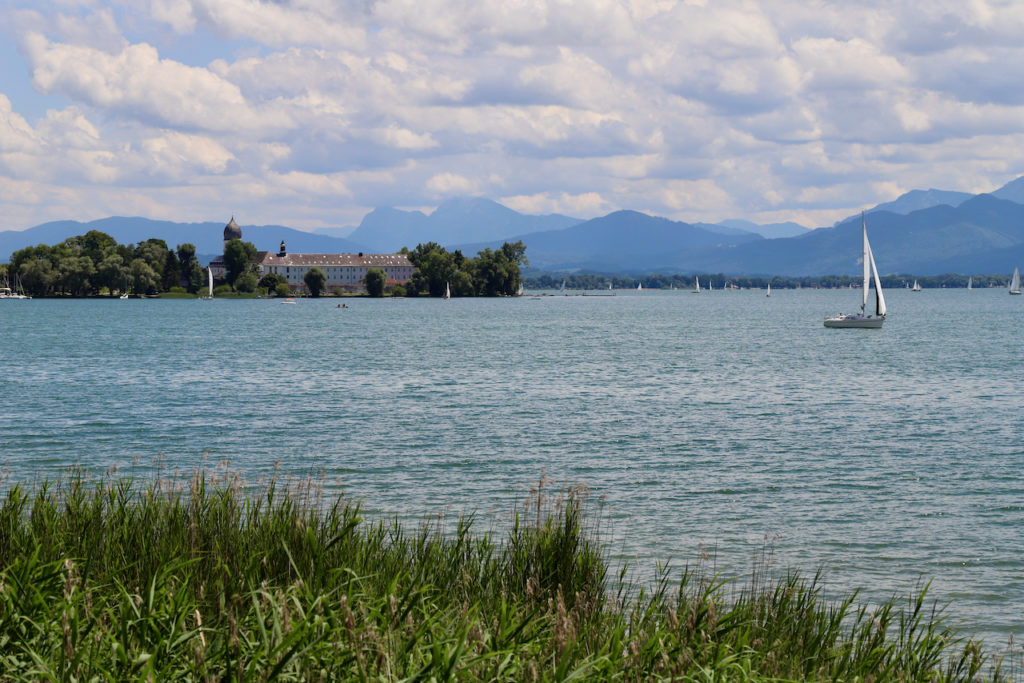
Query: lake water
{"points": [[706, 424]]}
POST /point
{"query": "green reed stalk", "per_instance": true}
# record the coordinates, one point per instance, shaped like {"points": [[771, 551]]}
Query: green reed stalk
{"points": [[206, 580]]}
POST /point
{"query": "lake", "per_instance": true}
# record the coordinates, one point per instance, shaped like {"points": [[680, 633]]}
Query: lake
{"points": [[703, 425]]}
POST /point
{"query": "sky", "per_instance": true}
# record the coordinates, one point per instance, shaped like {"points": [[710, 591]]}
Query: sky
{"points": [[310, 113]]}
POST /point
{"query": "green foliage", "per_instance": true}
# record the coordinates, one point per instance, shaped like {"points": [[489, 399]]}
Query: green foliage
{"points": [[108, 580], [316, 281], [188, 266], [282, 290], [239, 258], [375, 279], [398, 291], [246, 282], [270, 281], [492, 273]]}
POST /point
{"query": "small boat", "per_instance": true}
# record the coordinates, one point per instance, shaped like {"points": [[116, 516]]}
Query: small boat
{"points": [[17, 293], [1015, 282], [916, 287], [209, 285], [289, 300], [639, 287], [970, 282], [769, 292], [519, 292], [447, 292], [870, 275], [696, 288]]}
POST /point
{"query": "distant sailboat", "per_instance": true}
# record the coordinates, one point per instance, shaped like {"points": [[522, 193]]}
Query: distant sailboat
{"points": [[209, 285], [519, 292], [562, 287], [769, 292], [970, 282], [710, 288], [870, 274], [639, 286], [447, 292], [916, 287], [609, 286], [1015, 282], [696, 288]]}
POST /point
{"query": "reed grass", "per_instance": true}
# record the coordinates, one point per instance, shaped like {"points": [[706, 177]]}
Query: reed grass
{"points": [[121, 580]]}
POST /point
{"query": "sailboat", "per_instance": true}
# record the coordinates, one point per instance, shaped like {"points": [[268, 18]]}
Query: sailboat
{"points": [[1015, 282], [639, 286], [870, 274], [970, 282], [696, 289], [769, 292], [519, 291], [447, 292], [916, 287], [124, 293], [209, 283]]}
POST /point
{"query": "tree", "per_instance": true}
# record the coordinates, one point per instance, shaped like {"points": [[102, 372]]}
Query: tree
{"points": [[282, 290], [238, 258], [315, 281], [172, 272], [189, 267], [154, 252], [144, 279], [111, 271], [270, 281], [246, 282], [375, 279]]}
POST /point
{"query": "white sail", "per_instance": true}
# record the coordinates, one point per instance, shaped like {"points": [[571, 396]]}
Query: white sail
{"points": [[870, 271], [209, 272], [639, 286], [696, 287], [1015, 282], [879, 299], [970, 281], [769, 292], [447, 291]]}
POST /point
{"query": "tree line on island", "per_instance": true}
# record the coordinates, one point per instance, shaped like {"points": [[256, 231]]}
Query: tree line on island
{"points": [[95, 264]]}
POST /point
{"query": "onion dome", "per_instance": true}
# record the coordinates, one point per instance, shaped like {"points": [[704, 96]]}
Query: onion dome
{"points": [[232, 231]]}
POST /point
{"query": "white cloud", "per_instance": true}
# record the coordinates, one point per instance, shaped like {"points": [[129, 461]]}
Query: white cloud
{"points": [[452, 184], [136, 83]]}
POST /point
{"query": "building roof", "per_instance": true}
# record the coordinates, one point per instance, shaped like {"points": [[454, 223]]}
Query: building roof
{"points": [[232, 231], [268, 258]]}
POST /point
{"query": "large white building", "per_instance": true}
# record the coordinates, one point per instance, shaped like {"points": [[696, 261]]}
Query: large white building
{"points": [[343, 271]]}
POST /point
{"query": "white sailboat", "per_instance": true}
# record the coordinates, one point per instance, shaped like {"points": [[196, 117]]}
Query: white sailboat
{"points": [[870, 275], [696, 288], [17, 293], [209, 285], [970, 282], [447, 292], [916, 287], [1015, 282], [769, 292], [639, 286], [519, 291]]}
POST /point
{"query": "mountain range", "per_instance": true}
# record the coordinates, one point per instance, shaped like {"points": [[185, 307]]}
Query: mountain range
{"points": [[924, 232]]}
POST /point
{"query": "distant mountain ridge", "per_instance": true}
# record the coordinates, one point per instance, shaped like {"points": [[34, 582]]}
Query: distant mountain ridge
{"points": [[456, 221], [923, 232]]}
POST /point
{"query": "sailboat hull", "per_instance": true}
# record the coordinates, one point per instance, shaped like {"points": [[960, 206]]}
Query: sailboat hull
{"points": [[868, 322]]}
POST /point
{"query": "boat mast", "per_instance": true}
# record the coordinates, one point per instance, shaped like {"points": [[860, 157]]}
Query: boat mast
{"points": [[867, 266]]}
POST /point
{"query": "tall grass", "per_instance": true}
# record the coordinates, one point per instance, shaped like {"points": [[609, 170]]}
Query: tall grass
{"points": [[113, 580]]}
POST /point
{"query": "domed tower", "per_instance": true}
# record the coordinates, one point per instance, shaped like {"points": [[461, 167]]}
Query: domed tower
{"points": [[232, 231]]}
